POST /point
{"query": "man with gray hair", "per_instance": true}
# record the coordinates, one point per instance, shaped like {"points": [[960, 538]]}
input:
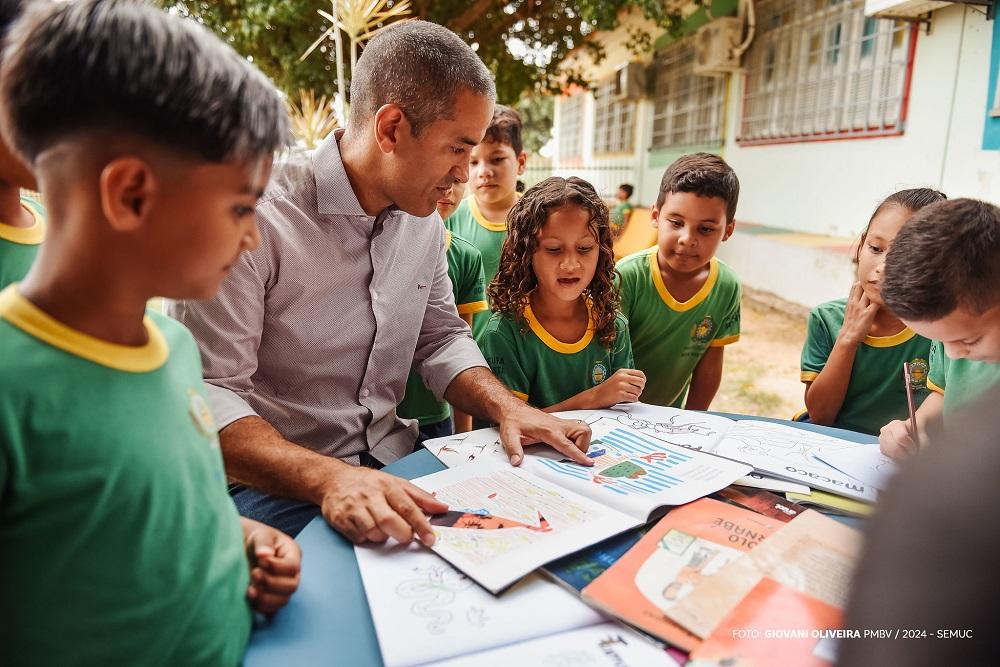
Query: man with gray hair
{"points": [[308, 344]]}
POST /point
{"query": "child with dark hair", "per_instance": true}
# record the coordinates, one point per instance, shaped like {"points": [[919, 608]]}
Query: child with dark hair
{"points": [[683, 303], [855, 348], [556, 338], [465, 271], [942, 279], [152, 141], [622, 210], [22, 219], [481, 218]]}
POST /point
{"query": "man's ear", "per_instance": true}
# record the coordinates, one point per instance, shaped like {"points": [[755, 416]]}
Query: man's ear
{"points": [[521, 159], [390, 124], [730, 228], [128, 192]]}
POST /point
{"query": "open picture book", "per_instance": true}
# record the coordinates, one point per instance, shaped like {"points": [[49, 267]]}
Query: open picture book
{"points": [[773, 450], [504, 522]]}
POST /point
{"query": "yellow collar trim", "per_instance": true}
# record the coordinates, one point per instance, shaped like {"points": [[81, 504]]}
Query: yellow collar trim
{"points": [[890, 341], [32, 235], [447, 240], [478, 216], [554, 343], [668, 298], [32, 320]]}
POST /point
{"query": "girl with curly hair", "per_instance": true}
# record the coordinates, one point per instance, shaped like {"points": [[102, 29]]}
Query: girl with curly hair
{"points": [[556, 338]]}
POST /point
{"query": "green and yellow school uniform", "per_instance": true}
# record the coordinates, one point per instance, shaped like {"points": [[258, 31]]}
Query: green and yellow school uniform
{"points": [[875, 394], [465, 269], [118, 541], [961, 381], [470, 224], [19, 245], [543, 370], [620, 213], [670, 337]]}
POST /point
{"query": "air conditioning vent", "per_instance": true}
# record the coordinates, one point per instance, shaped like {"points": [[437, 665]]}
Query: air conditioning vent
{"points": [[714, 44]]}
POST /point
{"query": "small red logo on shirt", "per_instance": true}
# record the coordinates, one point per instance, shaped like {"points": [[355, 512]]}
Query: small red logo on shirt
{"points": [[421, 286]]}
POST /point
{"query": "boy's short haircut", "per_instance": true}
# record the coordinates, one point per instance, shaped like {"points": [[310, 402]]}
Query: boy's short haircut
{"points": [[946, 256], [128, 67], [10, 11], [419, 66], [505, 128], [705, 175], [628, 189]]}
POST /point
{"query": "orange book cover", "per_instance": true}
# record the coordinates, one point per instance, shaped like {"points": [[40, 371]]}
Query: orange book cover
{"points": [[773, 625], [687, 546]]}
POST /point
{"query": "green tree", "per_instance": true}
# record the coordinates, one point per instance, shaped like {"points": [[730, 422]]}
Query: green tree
{"points": [[275, 34]]}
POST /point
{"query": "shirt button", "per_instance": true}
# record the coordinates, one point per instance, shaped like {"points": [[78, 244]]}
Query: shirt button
{"points": [[364, 393], [374, 296]]}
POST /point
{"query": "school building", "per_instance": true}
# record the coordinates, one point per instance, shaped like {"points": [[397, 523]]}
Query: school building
{"points": [[829, 108]]}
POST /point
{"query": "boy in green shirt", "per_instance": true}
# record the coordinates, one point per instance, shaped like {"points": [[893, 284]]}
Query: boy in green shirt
{"points": [[119, 542], [622, 211], [481, 218], [22, 220], [942, 278], [683, 303], [465, 269]]}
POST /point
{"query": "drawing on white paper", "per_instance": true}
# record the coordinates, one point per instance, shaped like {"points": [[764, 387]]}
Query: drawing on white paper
{"points": [[476, 616], [789, 445], [674, 424], [433, 591]]}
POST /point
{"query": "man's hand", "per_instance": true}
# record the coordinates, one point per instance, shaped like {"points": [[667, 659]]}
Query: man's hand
{"points": [[275, 561], [624, 386], [371, 506], [524, 425]]}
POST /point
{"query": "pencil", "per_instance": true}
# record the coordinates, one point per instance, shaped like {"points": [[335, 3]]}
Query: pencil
{"points": [[908, 380]]}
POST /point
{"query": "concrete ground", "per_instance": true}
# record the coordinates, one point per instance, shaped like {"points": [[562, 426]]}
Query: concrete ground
{"points": [[761, 373]]}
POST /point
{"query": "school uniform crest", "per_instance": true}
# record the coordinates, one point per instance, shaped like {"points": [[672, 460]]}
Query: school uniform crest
{"points": [[201, 415], [599, 373], [702, 331], [918, 373]]}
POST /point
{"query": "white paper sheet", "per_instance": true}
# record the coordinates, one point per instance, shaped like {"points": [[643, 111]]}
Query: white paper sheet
{"points": [[425, 610], [789, 453], [865, 463], [604, 645]]}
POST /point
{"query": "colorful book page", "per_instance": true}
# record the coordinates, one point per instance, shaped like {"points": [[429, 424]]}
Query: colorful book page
{"points": [[773, 625], [687, 547]]}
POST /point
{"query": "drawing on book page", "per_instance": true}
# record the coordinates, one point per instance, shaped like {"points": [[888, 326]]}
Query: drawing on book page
{"points": [[626, 463], [499, 512], [792, 445], [432, 592], [668, 424], [681, 561]]}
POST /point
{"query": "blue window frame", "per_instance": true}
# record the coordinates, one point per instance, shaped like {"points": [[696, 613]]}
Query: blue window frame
{"points": [[991, 130]]}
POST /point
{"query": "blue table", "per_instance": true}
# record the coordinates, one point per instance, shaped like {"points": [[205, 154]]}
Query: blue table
{"points": [[327, 621]]}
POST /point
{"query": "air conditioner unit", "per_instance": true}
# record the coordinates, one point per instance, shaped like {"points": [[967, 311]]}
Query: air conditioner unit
{"points": [[630, 82], [714, 44], [900, 8]]}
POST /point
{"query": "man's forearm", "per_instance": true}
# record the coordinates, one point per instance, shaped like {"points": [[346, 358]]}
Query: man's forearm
{"points": [[476, 391], [257, 455]]}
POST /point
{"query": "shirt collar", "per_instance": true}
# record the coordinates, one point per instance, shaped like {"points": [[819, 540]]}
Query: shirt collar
{"points": [[334, 194]]}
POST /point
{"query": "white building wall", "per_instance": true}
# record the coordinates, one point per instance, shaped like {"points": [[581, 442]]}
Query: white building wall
{"points": [[832, 187]]}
